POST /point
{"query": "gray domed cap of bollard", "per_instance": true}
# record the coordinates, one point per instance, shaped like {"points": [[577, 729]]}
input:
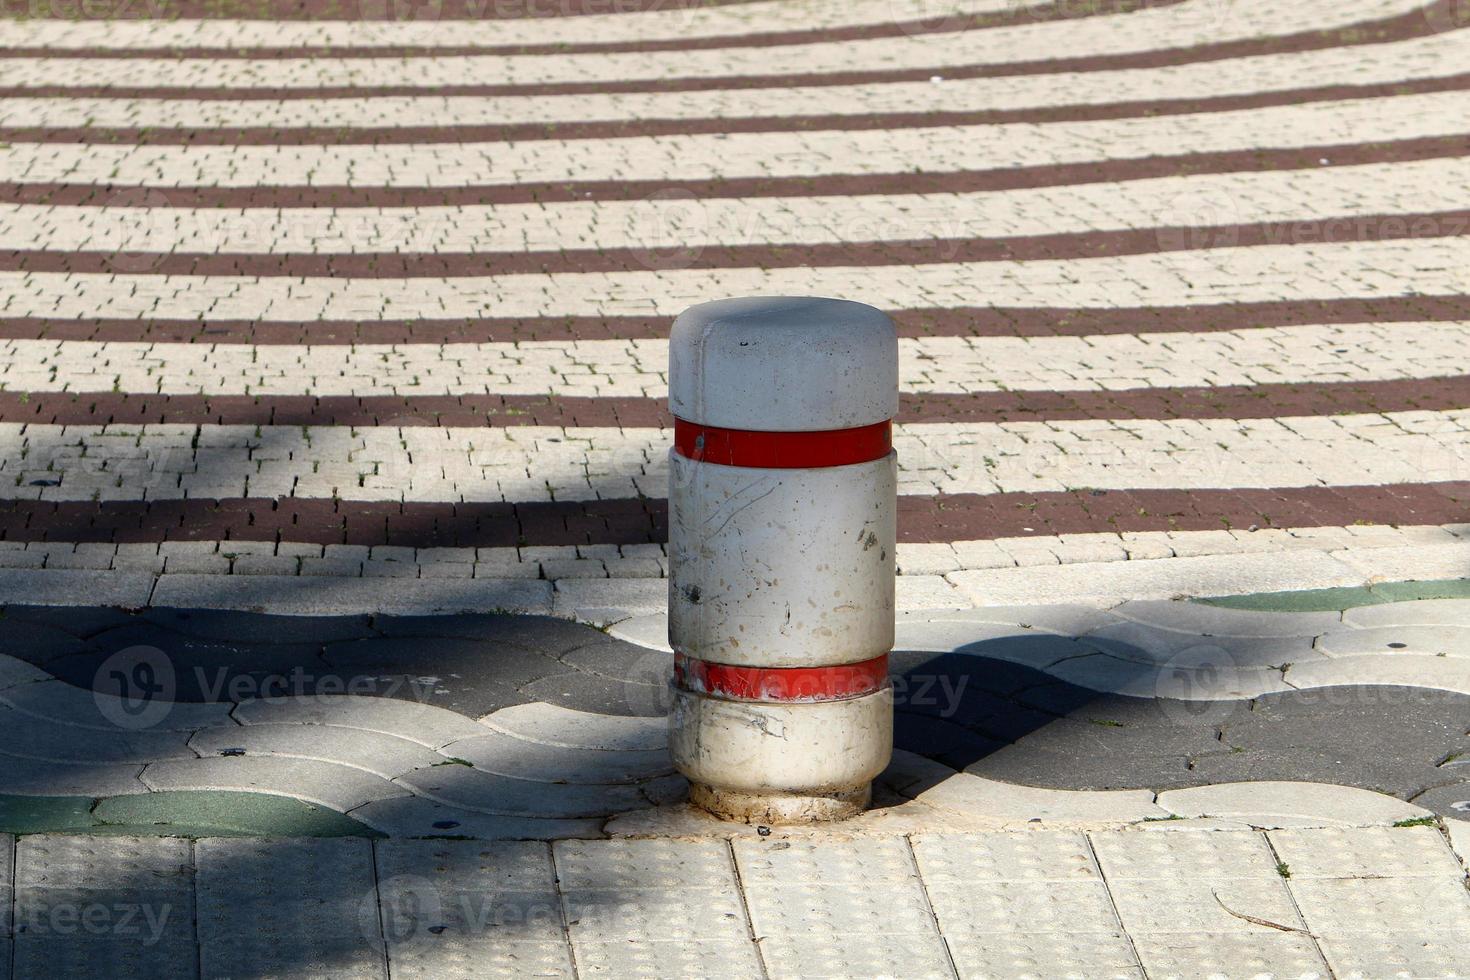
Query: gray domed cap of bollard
{"points": [[783, 364]]}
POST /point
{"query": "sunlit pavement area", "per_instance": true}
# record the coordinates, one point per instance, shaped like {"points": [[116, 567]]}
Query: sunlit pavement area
{"points": [[333, 457]]}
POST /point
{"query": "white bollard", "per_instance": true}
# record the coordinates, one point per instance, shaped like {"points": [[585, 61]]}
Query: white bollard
{"points": [[782, 526]]}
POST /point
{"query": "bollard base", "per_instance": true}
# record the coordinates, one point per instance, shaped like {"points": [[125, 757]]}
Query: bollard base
{"points": [[779, 808]]}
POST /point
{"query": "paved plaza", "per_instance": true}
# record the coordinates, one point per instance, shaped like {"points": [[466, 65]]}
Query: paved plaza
{"points": [[334, 463]]}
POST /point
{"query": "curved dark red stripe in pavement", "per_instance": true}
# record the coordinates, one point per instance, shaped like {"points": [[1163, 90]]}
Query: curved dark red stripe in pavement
{"points": [[780, 683], [1226, 402], [782, 450], [953, 182], [1059, 10], [625, 129], [351, 10], [1080, 245], [953, 517], [1437, 17], [938, 322]]}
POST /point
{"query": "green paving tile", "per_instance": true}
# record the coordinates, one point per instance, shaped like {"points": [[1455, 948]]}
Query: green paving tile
{"points": [[1309, 600], [224, 814], [1455, 588], [45, 814], [1336, 600]]}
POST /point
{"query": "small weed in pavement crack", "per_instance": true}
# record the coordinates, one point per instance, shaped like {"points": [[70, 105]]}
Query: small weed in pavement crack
{"points": [[1417, 822]]}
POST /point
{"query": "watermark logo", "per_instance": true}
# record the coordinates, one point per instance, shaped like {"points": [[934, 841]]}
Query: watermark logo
{"points": [[1200, 685], [133, 239], [135, 687], [403, 910], [1201, 218], [140, 923], [669, 229], [1447, 15], [647, 689], [919, 17]]}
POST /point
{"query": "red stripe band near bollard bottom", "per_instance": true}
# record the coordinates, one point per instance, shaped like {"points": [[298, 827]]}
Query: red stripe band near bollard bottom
{"points": [[783, 450], [780, 683]]}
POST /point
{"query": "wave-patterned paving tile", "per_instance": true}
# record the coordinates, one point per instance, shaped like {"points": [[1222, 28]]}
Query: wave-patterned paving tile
{"points": [[36, 777], [327, 784], [1063, 619], [1202, 675], [470, 677], [1431, 673], [59, 702], [470, 789], [82, 622], [997, 641], [32, 737], [1425, 612], [415, 721], [35, 643], [198, 670], [383, 755], [554, 725], [1272, 804], [1216, 621], [415, 816], [233, 626], [509, 755], [631, 696], [1149, 644], [15, 672], [1398, 640]]}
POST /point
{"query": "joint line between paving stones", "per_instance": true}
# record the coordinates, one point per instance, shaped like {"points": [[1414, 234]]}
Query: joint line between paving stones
{"points": [[383, 958], [908, 844], [1113, 901], [1306, 929], [194, 892], [1463, 859], [10, 903], [760, 953], [561, 908]]}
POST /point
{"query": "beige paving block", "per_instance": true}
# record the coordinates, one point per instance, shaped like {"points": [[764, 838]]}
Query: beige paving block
{"points": [[1197, 904], [1365, 852], [1406, 953], [1412, 564], [959, 861], [1262, 953], [1384, 906], [1222, 855], [1272, 804]]}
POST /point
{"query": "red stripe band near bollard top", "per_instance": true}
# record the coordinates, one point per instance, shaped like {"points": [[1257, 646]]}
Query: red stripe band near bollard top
{"points": [[783, 450], [781, 683]]}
